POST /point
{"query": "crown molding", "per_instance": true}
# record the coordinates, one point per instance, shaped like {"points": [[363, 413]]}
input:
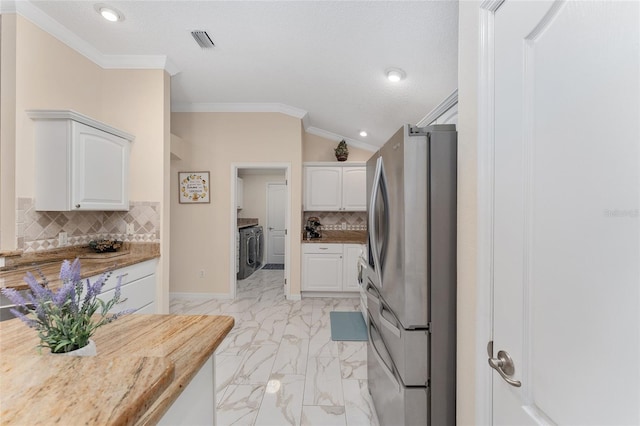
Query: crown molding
{"points": [[270, 107], [450, 101], [161, 62], [26, 9], [336, 137], [68, 114], [241, 107]]}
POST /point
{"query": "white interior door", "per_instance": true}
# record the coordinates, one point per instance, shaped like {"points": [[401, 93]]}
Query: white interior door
{"points": [[566, 236], [276, 206]]}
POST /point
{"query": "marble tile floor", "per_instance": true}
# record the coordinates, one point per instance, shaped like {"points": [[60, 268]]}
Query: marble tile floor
{"points": [[279, 366]]}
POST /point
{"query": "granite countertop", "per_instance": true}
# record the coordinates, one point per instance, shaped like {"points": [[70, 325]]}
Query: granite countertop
{"points": [[12, 275], [143, 364], [247, 222], [339, 237]]}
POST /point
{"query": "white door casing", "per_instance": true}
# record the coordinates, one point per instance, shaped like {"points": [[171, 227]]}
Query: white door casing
{"points": [[275, 232], [559, 179], [233, 214]]}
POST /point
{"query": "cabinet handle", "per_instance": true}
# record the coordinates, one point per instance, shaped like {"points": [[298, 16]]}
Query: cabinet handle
{"points": [[77, 206], [323, 248]]}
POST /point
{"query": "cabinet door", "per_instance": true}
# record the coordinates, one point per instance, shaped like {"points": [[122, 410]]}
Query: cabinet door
{"points": [[351, 254], [322, 272], [323, 188], [134, 295], [100, 170], [354, 188]]}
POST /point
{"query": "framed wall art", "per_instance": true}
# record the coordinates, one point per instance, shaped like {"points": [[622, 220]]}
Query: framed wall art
{"points": [[194, 187]]}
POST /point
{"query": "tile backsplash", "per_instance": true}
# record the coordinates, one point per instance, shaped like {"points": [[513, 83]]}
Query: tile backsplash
{"points": [[38, 230], [355, 221]]}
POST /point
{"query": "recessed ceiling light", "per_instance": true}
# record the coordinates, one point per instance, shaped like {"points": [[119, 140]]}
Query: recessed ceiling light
{"points": [[395, 74], [363, 133], [109, 13]]}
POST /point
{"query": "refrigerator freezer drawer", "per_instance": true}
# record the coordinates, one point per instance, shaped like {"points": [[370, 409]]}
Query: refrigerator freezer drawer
{"points": [[409, 349], [395, 404]]}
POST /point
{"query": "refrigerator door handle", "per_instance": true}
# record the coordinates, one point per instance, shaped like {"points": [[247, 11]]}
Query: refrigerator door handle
{"points": [[371, 289], [393, 328], [372, 219], [389, 370]]}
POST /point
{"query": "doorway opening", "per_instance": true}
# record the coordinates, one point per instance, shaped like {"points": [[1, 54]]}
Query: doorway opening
{"points": [[260, 215]]}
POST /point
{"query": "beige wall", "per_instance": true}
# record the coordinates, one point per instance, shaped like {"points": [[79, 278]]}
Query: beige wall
{"points": [[201, 234], [467, 210], [51, 75], [7, 131], [134, 100], [317, 148]]}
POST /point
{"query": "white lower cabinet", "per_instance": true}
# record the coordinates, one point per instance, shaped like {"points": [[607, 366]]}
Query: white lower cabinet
{"points": [[138, 289], [330, 267], [322, 267]]}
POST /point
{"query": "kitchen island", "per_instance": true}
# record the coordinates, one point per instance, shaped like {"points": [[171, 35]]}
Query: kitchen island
{"points": [[144, 364]]}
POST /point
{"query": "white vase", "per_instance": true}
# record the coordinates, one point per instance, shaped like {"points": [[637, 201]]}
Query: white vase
{"points": [[88, 350]]}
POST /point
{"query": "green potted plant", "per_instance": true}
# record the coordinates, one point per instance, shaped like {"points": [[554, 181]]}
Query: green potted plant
{"points": [[66, 318], [342, 151]]}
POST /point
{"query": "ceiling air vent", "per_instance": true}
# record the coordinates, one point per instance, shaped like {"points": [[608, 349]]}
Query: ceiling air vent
{"points": [[203, 39]]}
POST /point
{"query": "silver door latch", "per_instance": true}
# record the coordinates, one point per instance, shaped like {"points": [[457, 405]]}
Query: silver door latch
{"points": [[503, 364]]}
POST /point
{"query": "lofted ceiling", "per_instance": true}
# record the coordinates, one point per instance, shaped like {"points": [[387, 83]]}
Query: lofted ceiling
{"points": [[321, 60]]}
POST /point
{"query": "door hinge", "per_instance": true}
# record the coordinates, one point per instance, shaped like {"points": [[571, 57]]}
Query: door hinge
{"points": [[285, 232], [286, 182], [490, 348], [285, 281]]}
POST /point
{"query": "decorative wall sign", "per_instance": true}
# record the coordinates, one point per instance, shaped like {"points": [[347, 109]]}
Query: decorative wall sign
{"points": [[194, 187]]}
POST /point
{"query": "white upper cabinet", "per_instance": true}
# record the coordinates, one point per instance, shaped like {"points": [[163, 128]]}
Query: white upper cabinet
{"points": [[81, 164], [323, 188], [354, 188], [335, 188]]}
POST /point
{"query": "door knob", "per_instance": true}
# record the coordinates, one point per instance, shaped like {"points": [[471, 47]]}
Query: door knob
{"points": [[503, 364]]}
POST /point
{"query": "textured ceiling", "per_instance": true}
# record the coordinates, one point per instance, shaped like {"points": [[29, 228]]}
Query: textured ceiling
{"points": [[324, 57]]}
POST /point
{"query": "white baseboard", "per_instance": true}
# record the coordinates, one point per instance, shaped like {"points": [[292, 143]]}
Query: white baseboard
{"points": [[200, 296], [335, 294]]}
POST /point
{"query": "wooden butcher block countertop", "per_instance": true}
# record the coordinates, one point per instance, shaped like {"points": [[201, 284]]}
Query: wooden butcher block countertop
{"points": [[143, 364]]}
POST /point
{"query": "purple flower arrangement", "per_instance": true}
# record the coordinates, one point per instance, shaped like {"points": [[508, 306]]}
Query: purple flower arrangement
{"points": [[65, 318]]}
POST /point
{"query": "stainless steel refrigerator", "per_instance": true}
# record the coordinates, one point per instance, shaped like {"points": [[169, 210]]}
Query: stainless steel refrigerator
{"points": [[411, 277]]}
